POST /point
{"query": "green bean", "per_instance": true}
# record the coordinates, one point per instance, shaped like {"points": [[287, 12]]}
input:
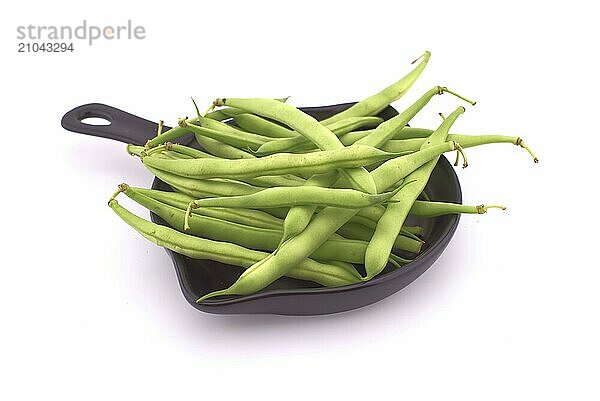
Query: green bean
{"points": [[306, 126], [259, 125], [360, 232], [225, 133], [344, 250], [199, 248], [248, 217], [414, 138], [415, 230], [298, 217], [466, 141], [390, 172], [293, 196], [221, 149], [312, 163], [338, 128], [388, 226], [169, 135], [389, 128], [296, 249], [386, 130], [219, 115], [260, 219], [204, 187], [376, 103], [229, 112], [407, 132], [434, 209]]}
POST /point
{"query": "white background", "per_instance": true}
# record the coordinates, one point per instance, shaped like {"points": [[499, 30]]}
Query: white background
{"points": [[91, 310]]}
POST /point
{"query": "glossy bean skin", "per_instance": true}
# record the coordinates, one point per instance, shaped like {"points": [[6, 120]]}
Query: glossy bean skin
{"points": [[198, 248], [310, 163], [390, 223], [344, 250], [376, 103], [306, 126], [297, 196]]}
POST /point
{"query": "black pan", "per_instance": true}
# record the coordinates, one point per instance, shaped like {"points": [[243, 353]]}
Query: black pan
{"points": [[286, 296]]}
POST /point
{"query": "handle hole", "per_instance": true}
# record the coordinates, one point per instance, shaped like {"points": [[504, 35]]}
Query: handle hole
{"points": [[95, 121]]}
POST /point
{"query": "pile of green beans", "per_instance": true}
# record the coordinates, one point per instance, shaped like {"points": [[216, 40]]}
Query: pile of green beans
{"points": [[279, 193]]}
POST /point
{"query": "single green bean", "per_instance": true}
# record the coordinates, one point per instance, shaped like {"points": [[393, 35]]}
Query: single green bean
{"points": [[465, 141], [293, 196], [376, 103], [313, 163], [199, 248], [229, 112], [434, 209]]}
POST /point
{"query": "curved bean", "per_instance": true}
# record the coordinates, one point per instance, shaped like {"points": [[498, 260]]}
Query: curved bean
{"points": [[379, 101]]}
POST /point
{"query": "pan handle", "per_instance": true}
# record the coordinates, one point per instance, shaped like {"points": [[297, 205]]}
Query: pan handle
{"points": [[122, 126]]}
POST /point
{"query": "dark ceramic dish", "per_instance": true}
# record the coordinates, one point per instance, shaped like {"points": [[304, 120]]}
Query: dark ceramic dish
{"points": [[286, 296]]}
